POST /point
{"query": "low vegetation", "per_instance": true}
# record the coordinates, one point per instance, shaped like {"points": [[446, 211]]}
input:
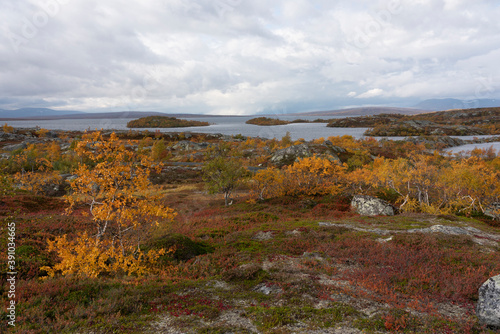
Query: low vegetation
{"points": [[146, 235], [164, 122]]}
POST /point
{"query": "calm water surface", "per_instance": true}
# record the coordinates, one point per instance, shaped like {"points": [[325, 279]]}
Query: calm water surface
{"points": [[228, 125], [225, 125]]}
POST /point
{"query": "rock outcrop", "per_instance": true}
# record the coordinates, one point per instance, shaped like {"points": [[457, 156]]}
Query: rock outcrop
{"points": [[371, 206], [289, 155], [488, 304], [437, 141], [186, 145]]}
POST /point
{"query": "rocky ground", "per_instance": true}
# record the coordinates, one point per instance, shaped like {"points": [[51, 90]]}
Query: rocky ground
{"points": [[469, 122]]}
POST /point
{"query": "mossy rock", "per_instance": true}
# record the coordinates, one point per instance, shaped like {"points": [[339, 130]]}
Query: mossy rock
{"points": [[185, 248]]}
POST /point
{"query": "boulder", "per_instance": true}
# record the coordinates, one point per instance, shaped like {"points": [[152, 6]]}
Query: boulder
{"points": [[371, 206], [488, 304]]}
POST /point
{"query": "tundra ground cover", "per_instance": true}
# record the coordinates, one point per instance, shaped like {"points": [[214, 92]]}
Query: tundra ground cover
{"points": [[269, 266]]}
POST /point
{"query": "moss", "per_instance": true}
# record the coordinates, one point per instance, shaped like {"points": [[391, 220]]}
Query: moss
{"points": [[370, 325], [185, 248], [223, 330], [267, 318]]}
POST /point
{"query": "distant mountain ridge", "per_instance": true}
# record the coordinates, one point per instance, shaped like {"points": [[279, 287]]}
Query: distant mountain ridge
{"points": [[422, 107], [364, 111], [50, 114], [36, 112], [447, 104]]}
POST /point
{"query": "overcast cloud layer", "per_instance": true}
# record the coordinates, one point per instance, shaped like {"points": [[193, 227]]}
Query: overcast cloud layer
{"points": [[245, 57]]}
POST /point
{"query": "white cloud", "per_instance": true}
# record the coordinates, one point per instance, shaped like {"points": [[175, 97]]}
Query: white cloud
{"points": [[243, 57], [371, 93]]}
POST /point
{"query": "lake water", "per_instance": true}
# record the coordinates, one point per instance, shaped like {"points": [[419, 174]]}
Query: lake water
{"points": [[231, 125], [228, 125]]}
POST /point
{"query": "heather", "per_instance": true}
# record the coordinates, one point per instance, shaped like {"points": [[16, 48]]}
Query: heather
{"points": [[143, 232]]}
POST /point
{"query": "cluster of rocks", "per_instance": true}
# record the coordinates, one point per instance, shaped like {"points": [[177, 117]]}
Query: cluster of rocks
{"points": [[424, 128], [289, 155], [437, 141]]}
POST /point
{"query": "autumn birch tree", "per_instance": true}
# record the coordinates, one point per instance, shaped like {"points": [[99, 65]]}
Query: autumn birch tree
{"points": [[114, 184]]}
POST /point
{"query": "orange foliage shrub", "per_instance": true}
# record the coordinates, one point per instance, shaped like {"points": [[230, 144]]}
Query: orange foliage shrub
{"points": [[7, 128], [432, 183], [313, 176], [115, 187], [308, 176]]}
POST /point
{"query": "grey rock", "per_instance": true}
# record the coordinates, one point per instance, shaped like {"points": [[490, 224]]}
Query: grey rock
{"points": [[451, 230], [371, 206], [488, 304], [268, 289], [69, 177], [4, 136], [313, 255], [185, 145], [289, 155], [262, 236], [15, 147], [493, 211], [437, 139]]}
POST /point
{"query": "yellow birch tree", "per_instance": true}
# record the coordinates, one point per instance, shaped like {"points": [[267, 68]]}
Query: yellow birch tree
{"points": [[114, 184]]}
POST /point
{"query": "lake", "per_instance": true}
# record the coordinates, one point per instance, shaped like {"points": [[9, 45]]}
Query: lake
{"points": [[228, 125]]}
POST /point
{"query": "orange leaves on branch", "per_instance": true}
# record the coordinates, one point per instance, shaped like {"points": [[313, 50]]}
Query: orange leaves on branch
{"points": [[114, 183], [471, 184], [268, 183], [7, 128], [308, 176], [34, 182], [82, 257], [433, 184], [313, 176]]}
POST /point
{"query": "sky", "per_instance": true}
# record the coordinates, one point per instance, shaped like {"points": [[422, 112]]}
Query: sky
{"points": [[241, 57]]}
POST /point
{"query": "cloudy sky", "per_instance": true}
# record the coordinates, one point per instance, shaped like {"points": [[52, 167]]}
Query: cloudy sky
{"points": [[245, 56]]}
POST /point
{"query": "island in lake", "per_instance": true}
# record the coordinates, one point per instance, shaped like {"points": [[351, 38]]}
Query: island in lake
{"points": [[163, 122], [266, 121]]}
